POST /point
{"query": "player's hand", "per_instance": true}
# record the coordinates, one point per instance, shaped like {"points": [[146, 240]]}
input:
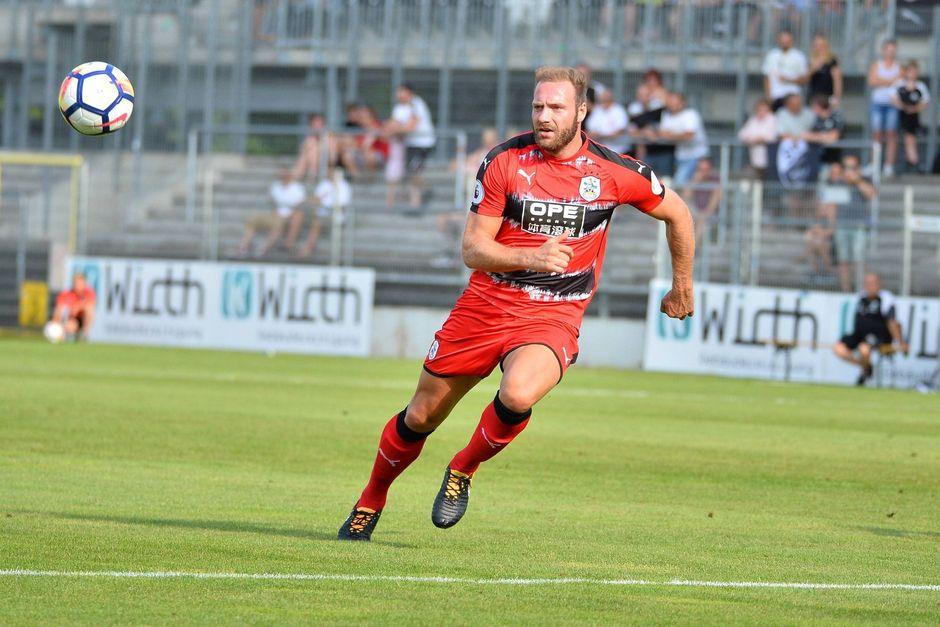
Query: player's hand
{"points": [[552, 256], [678, 303]]}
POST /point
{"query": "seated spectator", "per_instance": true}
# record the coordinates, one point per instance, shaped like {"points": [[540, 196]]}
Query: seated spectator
{"points": [[826, 130], [910, 98], [307, 165], [793, 119], [608, 123], [683, 126], [75, 308], [853, 219], [331, 197], [759, 131], [703, 195], [287, 197], [373, 144], [876, 323], [784, 71], [819, 236]]}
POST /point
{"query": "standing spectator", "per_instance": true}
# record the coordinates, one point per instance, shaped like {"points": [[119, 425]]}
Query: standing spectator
{"points": [[882, 77], [819, 236], [307, 165], [287, 196], [793, 119], [911, 97], [784, 70], [331, 196], [645, 116], [759, 131], [75, 308], [703, 195], [653, 79], [824, 76], [826, 130], [411, 120], [683, 126], [853, 218], [608, 123]]}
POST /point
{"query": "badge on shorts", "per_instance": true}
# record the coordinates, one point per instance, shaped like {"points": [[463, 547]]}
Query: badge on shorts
{"points": [[432, 352], [590, 188]]}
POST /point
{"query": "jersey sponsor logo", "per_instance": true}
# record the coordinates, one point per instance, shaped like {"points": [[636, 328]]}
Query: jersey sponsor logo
{"points": [[432, 352], [478, 193], [590, 188], [552, 218]]}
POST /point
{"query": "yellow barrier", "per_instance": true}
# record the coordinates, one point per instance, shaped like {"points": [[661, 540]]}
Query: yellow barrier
{"points": [[34, 303]]}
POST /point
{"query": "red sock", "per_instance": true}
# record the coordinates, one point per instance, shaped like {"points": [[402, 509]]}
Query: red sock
{"points": [[398, 447], [498, 427]]}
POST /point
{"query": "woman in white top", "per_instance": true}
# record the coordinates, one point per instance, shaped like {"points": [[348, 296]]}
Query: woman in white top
{"points": [[759, 130], [882, 76]]}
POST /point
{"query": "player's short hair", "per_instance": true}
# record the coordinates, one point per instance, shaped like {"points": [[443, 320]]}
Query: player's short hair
{"points": [[558, 73]]}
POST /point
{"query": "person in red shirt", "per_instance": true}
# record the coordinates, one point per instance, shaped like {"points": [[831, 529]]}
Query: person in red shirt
{"points": [[75, 308], [535, 238]]}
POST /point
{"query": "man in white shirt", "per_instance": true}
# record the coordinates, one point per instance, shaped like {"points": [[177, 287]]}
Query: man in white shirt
{"points": [[608, 123], [683, 126], [411, 121], [330, 198], [287, 197], [785, 70]]}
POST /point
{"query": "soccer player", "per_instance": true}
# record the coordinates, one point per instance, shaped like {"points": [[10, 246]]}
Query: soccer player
{"points": [[875, 324], [75, 308], [535, 238]]}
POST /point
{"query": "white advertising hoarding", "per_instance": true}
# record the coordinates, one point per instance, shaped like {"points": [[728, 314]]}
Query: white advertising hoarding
{"points": [[735, 329], [243, 306]]}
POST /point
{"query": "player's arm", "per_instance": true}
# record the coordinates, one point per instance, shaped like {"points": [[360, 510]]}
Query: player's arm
{"points": [[680, 234], [894, 328], [481, 251]]}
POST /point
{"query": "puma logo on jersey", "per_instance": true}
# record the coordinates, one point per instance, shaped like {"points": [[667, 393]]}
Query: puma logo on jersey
{"points": [[639, 168], [528, 177]]}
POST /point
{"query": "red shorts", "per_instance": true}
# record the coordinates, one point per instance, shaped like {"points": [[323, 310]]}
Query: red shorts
{"points": [[477, 336]]}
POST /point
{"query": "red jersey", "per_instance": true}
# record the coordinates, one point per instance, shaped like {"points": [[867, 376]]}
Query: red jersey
{"points": [[539, 197], [76, 302]]}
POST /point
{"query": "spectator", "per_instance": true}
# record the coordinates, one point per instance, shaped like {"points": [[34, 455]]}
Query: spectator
{"points": [[703, 195], [793, 119], [287, 196], [875, 324], [759, 131], [819, 236], [365, 149], [653, 79], [594, 88], [373, 145], [826, 130], [910, 98], [330, 198], [824, 77], [608, 123], [75, 308], [411, 121], [307, 165], [853, 218], [683, 126], [645, 116], [882, 78], [784, 70]]}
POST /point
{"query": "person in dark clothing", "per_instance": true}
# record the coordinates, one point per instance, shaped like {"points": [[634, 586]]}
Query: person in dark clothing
{"points": [[875, 324], [826, 130], [824, 77]]}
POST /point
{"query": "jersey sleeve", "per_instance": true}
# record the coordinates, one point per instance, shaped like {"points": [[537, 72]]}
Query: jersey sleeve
{"points": [[639, 186], [489, 191]]}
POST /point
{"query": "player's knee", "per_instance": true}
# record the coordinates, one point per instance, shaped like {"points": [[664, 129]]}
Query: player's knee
{"points": [[422, 417], [518, 397], [839, 348], [864, 349]]}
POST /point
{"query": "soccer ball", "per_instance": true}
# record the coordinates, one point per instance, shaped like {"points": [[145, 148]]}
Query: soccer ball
{"points": [[54, 332], [96, 98]]}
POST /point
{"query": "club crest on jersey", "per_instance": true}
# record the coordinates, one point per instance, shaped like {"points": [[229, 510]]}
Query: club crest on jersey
{"points": [[590, 188], [432, 352]]}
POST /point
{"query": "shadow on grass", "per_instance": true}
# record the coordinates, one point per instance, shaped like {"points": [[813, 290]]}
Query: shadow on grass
{"points": [[232, 526], [901, 533]]}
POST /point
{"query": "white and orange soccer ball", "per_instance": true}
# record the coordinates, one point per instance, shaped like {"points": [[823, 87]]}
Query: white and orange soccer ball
{"points": [[96, 98]]}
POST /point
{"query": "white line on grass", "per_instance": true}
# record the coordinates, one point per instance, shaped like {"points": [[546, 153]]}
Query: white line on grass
{"points": [[108, 574]]}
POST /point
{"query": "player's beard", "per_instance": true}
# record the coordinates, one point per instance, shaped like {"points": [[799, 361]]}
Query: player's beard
{"points": [[562, 137]]}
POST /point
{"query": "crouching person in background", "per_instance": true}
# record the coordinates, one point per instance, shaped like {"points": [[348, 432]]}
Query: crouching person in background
{"points": [[75, 308]]}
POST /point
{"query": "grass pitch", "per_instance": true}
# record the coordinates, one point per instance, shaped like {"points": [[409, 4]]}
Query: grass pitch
{"points": [[135, 459]]}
